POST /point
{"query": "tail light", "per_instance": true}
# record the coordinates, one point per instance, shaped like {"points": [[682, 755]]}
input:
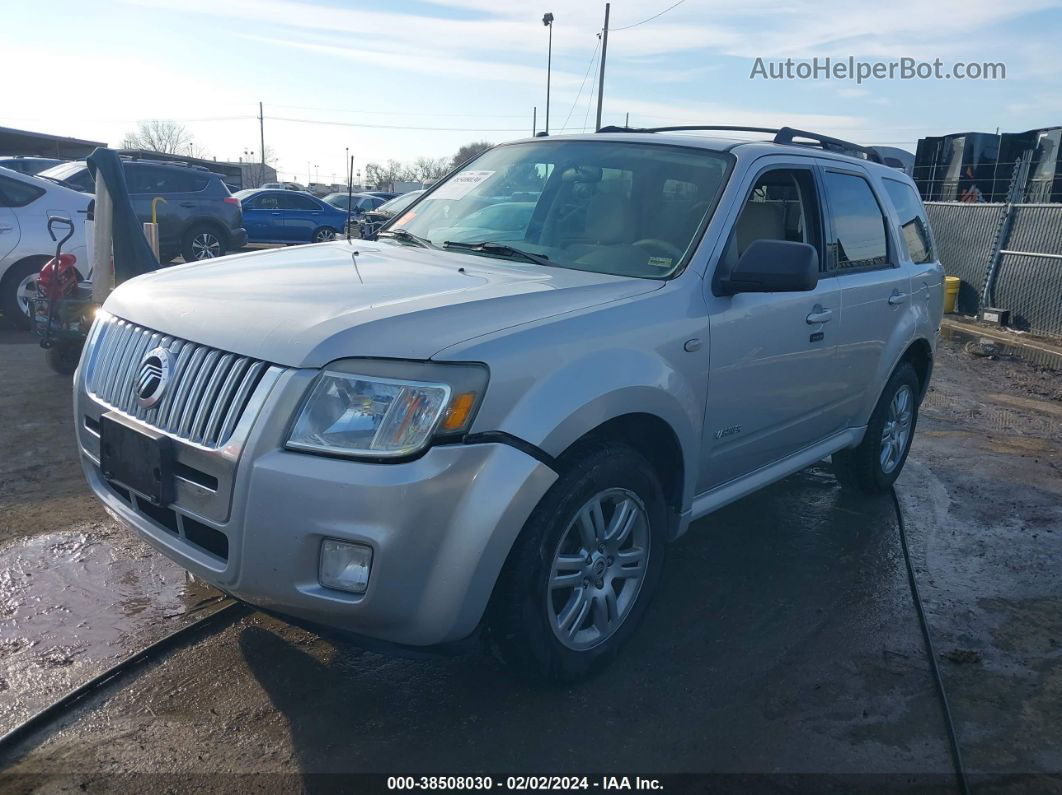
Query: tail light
{"points": [[58, 279], [231, 200]]}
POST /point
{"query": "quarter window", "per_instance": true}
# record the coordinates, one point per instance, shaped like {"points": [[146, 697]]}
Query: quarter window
{"points": [[858, 223], [913, 222], [17, 194]]}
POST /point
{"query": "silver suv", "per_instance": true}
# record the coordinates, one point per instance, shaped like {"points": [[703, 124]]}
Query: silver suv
{"points": [[494, 419]]}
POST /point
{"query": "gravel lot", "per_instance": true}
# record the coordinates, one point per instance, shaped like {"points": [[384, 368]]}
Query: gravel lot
{"points": [[783, 639]]}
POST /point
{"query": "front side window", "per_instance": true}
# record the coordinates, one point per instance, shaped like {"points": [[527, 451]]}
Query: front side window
{"points": [[858, 223], [782, 205], [913, 222], [624, 208]]}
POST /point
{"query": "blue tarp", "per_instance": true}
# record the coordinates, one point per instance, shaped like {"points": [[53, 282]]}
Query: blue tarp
{"points": [[132, 254]]}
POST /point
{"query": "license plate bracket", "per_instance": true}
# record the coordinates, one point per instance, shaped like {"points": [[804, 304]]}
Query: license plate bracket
{"points": [[138, 458]]}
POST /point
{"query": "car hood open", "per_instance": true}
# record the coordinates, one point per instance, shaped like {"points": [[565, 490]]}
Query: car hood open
{"points": [[308, 305]]}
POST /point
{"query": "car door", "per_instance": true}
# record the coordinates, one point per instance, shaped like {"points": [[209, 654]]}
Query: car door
{"points": [[146, 183], [302, 215], [863, 260], [918, 252], [263, 219], [9, 228], [773, 386]]}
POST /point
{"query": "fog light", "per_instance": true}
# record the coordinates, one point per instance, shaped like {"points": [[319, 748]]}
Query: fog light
{"points": [[345, 566]]}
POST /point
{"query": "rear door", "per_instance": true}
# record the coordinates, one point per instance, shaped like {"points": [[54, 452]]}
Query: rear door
{"points": [[773, 387], [302, 215], [147, 182], [864, 262], [12, 194], [918, 250], [263, 219]]}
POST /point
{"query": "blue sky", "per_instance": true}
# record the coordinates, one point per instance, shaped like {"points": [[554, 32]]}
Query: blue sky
{"points": [[477, 67]]}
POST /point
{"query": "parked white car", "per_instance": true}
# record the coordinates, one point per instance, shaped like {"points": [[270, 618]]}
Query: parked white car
{"points": [[25, 246]]}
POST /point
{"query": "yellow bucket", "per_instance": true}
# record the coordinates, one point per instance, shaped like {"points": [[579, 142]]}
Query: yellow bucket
{"points": [[951, 293]]}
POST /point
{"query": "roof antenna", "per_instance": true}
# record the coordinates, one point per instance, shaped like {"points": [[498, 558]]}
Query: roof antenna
{"points": [[350, 194]]}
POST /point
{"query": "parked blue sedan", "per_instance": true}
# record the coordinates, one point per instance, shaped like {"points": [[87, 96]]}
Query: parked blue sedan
{"points": [[288, 216]]}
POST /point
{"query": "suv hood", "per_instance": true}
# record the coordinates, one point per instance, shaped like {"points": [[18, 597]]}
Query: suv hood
{"points": [[308, 305]]}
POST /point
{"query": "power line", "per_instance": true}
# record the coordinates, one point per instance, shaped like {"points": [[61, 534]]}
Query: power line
{"points": [[575, 102], [396, 126], [649, 19], [405, 113]]}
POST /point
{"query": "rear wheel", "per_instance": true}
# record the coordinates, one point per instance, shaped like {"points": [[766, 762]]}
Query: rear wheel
{"points": [[18, 288], [875, 464], [324, 234], [583, 570], [202, 242]]}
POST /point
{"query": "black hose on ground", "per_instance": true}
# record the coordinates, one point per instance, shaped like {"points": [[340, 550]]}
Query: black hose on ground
{"points": [[953, 739], [56, 709]]}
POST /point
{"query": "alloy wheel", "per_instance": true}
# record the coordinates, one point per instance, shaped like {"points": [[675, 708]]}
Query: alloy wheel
{"points": [[206, 245], [897, 429], [324, 234], [26, 292], [598, 569]]}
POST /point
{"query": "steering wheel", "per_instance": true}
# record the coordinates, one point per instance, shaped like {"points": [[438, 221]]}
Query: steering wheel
{"points": [[661, 245]]}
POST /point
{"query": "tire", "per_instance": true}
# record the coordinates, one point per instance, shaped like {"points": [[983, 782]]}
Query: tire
{"points": [[203, 241], [63, 357], [13, 287], [869, 467], [323, 234], [528, 618]]}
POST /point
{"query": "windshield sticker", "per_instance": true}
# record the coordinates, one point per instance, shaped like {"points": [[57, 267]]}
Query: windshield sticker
{"points": [[405, 219], [460, 186], [660, 262]]}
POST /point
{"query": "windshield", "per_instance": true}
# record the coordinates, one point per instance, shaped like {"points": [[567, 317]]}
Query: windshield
{"points": [[398, 204], [629, 209]]}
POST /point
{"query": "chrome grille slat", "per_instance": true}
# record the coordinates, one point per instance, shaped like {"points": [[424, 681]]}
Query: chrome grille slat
{"points": [[207, 392]]}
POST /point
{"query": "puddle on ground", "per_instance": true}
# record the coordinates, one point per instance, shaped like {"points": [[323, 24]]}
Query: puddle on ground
{"points": [[74, 603]]}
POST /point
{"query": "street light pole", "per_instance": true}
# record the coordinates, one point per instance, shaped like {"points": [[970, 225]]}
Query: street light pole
{"points": [[601, 76], [547, 20]]}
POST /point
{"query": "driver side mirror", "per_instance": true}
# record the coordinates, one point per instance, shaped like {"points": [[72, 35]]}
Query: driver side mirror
{"points": [[773, 266]]}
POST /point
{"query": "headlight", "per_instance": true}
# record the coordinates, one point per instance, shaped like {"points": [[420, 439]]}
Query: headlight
{"points": [[363, 408]]}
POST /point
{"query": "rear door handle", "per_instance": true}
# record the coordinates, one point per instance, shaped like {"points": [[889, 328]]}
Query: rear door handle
{"points": [[187, 204], [897, 298], [820, 315], [6, 228]]}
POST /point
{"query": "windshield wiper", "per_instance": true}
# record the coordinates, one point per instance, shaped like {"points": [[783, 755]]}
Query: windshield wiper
{"points": [[491, 247], [409, 237]]}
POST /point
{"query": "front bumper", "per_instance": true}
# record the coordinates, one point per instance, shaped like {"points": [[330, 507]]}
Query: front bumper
{"points": [[440, 526]]}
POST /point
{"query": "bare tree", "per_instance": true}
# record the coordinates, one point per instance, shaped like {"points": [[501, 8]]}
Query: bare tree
{"points": [[161, 135], [256, 175], [468, 151], [429, 169], [384, 176]]}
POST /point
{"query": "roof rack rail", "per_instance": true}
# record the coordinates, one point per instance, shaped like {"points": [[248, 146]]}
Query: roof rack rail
{"points": [[782, 135]]}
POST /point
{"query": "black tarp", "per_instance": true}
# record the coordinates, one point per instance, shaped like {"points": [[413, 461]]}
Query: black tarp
{"points": [[132, 254]]}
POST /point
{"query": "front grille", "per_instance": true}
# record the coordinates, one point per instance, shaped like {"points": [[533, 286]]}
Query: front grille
{"points": [[205, 397]]}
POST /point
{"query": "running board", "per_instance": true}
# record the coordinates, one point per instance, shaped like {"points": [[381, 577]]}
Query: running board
{"points": [[736, 489]]}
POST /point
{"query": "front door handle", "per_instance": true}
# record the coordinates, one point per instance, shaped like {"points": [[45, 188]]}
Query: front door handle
{"points": [[187, 204], [820, 315], [6, 228], [897, 298]]}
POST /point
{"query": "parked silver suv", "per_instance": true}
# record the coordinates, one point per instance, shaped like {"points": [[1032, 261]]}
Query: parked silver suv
{"points": [[462, 427]]}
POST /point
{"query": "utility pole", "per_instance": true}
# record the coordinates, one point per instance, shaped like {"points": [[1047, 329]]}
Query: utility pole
{"points": [[261, 135], [601, 76], [534, 120]]}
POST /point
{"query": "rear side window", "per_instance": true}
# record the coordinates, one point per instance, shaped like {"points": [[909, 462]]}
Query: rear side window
{"points": [[149, 179], [913, 222], [17, 194], [293, 201], [858, 223]]}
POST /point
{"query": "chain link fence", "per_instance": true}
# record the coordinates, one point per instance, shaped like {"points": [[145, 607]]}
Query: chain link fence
{"points": [[1008, 256]]}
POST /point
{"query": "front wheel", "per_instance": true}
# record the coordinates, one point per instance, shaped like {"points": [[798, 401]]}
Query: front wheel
{"points": [[875, 464], [63, 357], [324, 234], [202, 242], [584, 568]]}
